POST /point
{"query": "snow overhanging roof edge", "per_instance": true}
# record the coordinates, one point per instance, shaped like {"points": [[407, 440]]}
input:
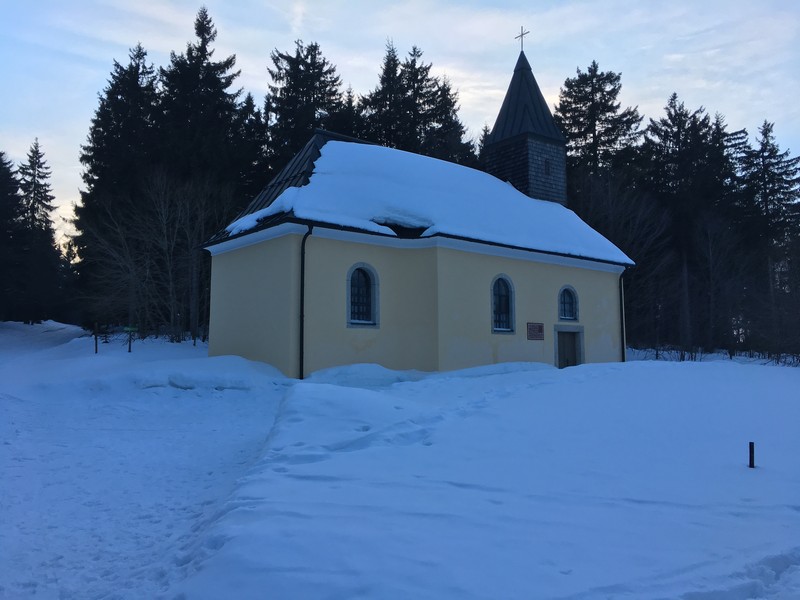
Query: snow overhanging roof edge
{"points": [[288, 218]]}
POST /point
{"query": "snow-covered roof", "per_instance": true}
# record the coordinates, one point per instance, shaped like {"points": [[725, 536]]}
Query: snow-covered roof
{"points": [[372, 188]]}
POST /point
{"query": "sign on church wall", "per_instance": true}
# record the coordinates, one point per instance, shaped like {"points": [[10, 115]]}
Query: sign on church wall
{"points": [[535, 331]]}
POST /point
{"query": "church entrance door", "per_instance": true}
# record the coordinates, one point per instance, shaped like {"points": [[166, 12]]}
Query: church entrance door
{"points": [[567, 349]]}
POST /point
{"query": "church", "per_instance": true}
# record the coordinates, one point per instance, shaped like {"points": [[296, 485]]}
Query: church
{"points": [[358, 253]]}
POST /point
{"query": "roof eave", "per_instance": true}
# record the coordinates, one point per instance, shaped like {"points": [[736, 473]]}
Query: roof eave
{"points": [[284, 218]]}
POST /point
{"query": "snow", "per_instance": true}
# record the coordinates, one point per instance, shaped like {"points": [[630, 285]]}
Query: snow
{"points": [[368, 187], [167, 474]]}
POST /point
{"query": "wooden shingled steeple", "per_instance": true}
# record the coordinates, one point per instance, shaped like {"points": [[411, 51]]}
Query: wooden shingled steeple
{"points": [[525, 146]]}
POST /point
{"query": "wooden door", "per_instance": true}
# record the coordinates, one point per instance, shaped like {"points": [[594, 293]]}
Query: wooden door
{"points": [[567, 349]]}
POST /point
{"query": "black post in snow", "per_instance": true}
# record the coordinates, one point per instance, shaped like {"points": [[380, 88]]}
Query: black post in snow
{"points": [[752, 464]]}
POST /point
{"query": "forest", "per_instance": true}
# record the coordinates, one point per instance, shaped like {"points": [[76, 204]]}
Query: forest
{"points": [[709, 213]]}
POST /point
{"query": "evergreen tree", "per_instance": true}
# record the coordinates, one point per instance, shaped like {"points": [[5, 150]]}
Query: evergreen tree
{"points": [[382, 109], [117, 157], [35, 191], [121, 137], [251, 139], [792, 281], [305, 92], [202, 179], [602, 181], [484, 137], [673, 150], [772, 184], [690, 170], [347, 118], [40, 265], [169, 160], [418, 101], [719, 234], [588, 112], [198, 108], [414, 111], [11, 241], [772, 178], [601, 137], [445, 135]]}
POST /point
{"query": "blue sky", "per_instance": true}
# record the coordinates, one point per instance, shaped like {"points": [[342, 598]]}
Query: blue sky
{"points": [[736, 57]]}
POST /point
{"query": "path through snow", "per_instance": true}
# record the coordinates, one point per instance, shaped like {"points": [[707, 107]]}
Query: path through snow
{"points": [[112, 464]]}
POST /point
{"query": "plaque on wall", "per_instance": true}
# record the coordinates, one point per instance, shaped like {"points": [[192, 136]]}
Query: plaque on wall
{"points": [[535, 331]]}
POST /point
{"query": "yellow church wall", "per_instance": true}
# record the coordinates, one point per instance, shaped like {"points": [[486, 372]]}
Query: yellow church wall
{"points": [[254, 300], [434, 305], [405, 337], [465, 310]]}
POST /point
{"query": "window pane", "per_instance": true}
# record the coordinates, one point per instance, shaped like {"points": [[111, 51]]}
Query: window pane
{"points": [[360, 296], [501, 309], [568, 305]]}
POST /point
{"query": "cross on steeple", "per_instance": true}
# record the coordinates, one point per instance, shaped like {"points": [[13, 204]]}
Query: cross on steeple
{"points": [[521, 36]]}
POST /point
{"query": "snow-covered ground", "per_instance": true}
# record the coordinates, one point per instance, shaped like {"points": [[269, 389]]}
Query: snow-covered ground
{"points": [[163, 473]]}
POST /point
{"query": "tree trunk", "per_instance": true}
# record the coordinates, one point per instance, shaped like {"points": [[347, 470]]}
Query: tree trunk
{"points": [[685, 309], [194, 294]]}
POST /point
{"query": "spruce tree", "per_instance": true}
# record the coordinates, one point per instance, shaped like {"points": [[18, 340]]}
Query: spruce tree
{"points": [[486, 131], [603, 187], [590, 116], [201, 181], [772, 184], [41, 259], [347, 118], [11, 242], [689, 170], [119, 147], [418, 101], [382, 108], [198, 108], [601, 140], [772, 178], [35, 191], [445, 134], [251, 137], [414, 111], [118, 156], [171, 157], [304, 93]]}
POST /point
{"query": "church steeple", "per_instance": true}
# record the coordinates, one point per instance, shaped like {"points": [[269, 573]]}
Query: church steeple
{"points": [[525, 146]]}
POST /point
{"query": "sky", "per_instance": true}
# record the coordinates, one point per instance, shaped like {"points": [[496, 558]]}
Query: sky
{"points": [[734, 57]]}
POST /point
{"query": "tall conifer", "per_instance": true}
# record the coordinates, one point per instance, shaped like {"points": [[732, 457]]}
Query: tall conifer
{"points": [[590, 116], [412, 110], [11, 242], [445, 135], [305, 92], [382, 108], [772, 184], [40, 265], [35, 190], [118, 156]]}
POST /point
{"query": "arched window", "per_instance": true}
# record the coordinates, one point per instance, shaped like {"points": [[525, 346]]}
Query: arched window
{"points": [[502, 305], [362, 296], [568, 305]]}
